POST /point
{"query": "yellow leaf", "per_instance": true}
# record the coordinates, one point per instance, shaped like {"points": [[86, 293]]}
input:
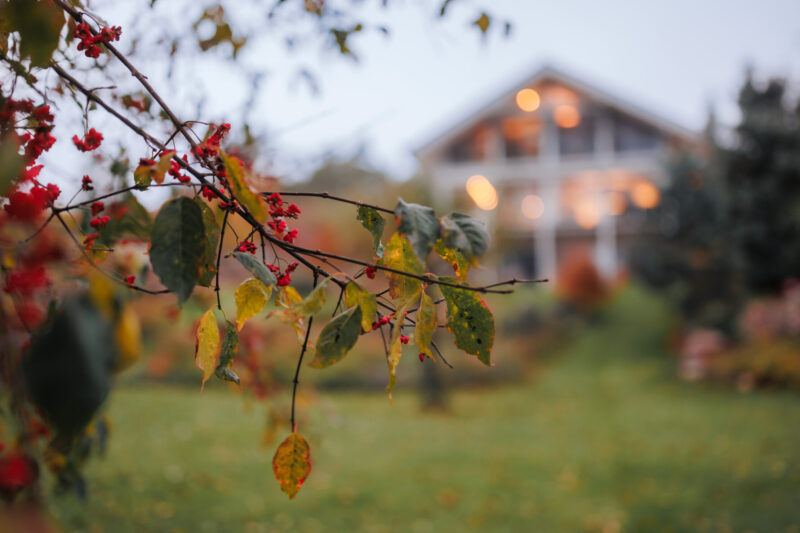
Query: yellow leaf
{"points": [[251, 297], [483, 22], [207, 348], [292, 464], [395, 350], [128, 336], [426, 324], [101, 292], [241, 191], [355, 294], [399, 255]]}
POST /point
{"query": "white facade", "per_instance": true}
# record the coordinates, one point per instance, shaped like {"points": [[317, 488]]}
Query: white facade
{"points": [[572, 166]]}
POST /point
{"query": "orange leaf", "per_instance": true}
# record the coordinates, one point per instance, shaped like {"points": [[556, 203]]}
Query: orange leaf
{"points": [[292, 464]]}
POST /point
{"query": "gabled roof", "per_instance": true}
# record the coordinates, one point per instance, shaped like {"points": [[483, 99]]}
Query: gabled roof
{"points": [[550, 74]]}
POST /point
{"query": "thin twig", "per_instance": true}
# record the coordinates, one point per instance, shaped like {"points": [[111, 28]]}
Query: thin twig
{"points": [[329, 196], [296, 379]]}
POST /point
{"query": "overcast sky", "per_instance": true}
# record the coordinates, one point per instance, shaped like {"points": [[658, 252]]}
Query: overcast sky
{"points": [[675, 58]]}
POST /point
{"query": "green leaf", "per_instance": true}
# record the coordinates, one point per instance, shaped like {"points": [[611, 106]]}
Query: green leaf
{"points": [[211, 229], [292, 464], [456, 259], [39, 25], [206, 351], [374, 223], [241, 191], [337, 338], [400, 256], [230, 346], [483, 22], [178, 246], [420, 226], [426, 324], [470, 320], [11, 163], [355, 294], [465, 234], [68, 368], [256, 267], [251, 296], [129, 218]]}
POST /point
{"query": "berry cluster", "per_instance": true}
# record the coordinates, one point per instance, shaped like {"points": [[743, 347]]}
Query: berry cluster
{"points": [[175, 170], [370, 272], [283, 278], [90, 141], [247, 246], [100, 222], [278, 213], [90, 43], [209, 147], [97, 207]]}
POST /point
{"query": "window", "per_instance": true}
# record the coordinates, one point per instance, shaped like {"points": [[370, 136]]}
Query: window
{"points": [[578, 139], [521, 135], [472, 146], [631, 134]]}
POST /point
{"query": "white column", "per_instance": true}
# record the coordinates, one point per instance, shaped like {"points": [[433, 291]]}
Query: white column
{"points": [[544, 236], [605, 252]]}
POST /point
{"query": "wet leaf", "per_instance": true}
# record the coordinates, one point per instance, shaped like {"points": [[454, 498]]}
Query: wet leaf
{"points": [[256, 267], [470, 320], [456, 259], [206, 350], [241, 191], [178, 246], [251, 296], [230, 346], [374, 223], [420, 226], [426, 324], [292, 464], [400, 256], [337, 338], [355, 294]]}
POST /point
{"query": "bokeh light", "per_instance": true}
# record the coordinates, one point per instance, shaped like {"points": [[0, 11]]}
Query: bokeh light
{"points": [[645, 195], [567, 116], [528, 100], [616, 203], [482, 192], [532, 207]]}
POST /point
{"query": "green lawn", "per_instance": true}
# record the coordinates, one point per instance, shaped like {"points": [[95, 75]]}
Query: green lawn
{"points": [[604, 440]]}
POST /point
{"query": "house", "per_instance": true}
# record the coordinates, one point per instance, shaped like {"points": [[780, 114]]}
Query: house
{"points": [[555, 165]]}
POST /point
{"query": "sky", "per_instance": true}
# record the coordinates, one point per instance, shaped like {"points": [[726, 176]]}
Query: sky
{"points": [[674, 58]]}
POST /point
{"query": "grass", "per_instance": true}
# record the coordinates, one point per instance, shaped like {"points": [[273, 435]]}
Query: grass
{"points": [[605, 440]]}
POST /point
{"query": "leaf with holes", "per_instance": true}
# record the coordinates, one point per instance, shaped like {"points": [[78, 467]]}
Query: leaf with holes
{"points": [[178, 246], [470, 320], [211, 229], [426, 324], [355, 294], [337, 338], [241, 191], [256, 268], [420, 226], [230, 346], [251, 296], [206, 349], [292, 464], [374, 223], [465, 234], [400, 256]]}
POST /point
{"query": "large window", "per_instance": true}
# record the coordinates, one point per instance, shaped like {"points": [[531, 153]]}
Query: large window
{"points": [[631, 134], [521, 136], [578, 139], [472, 146]]}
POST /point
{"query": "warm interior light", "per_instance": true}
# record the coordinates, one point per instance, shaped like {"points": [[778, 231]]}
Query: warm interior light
{"points": [[567, 116], [482, 192], [532, 207], [645, 195], [616, 203], [528, 100], [587, 214]]}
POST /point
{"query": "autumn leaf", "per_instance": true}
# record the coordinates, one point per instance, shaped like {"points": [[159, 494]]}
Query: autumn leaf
{"points": [[400, 256], [241, 191], [145, 174], [292, 464], [207, 346], [128, 336], [251, 296], [211, 230], [355, 294], [470, 320], [374, 223], [426, 324], [465, 234], [454, 258], [230, 345], [483, 22], [256, 267], [419, 225], [337, 338], [395, 350]]}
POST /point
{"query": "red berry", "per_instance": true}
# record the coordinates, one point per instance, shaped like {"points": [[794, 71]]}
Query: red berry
{"points": [[421, 357]]}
